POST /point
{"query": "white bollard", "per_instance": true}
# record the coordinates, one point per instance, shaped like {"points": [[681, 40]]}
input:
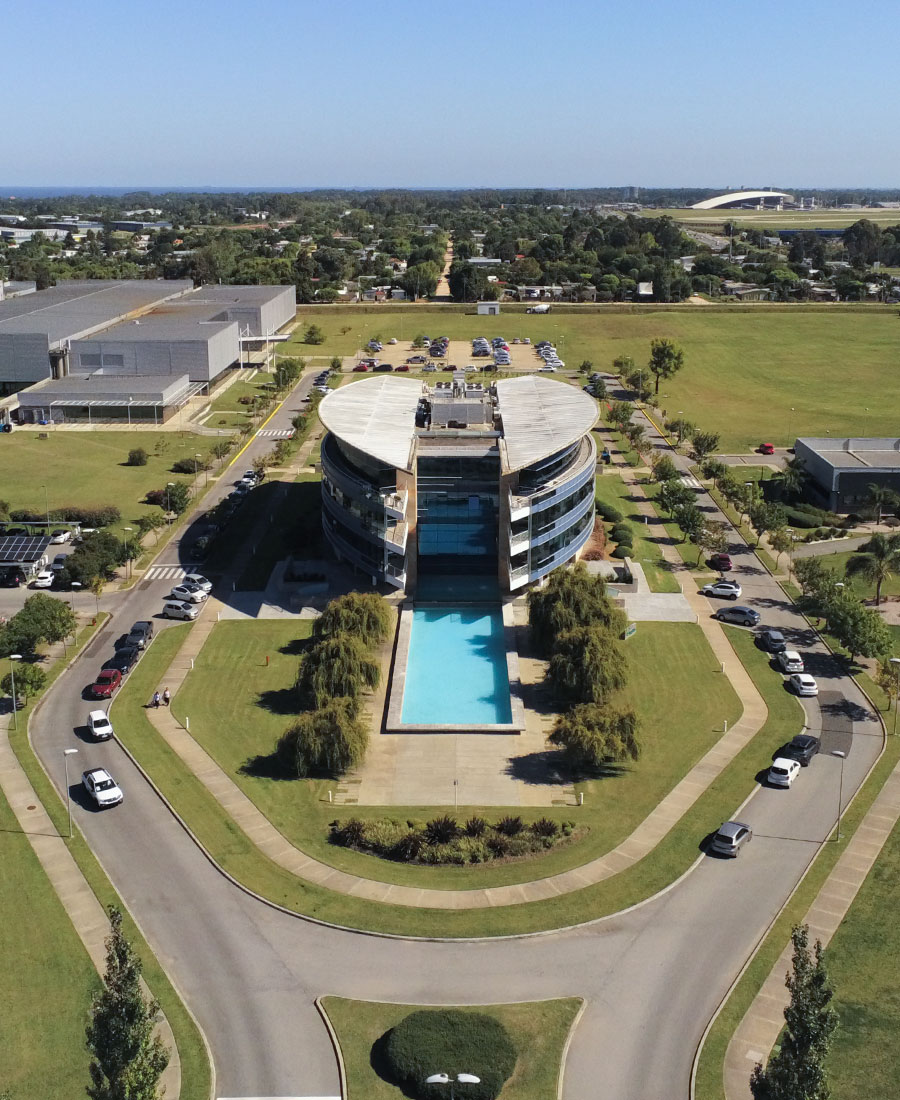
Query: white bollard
{"points": [[187, 723], [329, 796], [726, 726], [192, 664], [581, 798]]}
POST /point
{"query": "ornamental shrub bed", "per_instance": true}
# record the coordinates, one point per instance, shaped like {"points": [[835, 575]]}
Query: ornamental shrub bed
{"points": [[444, 840], [447, 1041]]}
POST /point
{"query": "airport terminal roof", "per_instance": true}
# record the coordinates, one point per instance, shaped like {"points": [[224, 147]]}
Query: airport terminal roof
{"points": [[78, 308], [377, 416], [740, 196], [541, 416]]}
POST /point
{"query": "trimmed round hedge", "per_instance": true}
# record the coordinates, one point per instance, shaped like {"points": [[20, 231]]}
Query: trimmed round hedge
{"points": [[452, 1042]]}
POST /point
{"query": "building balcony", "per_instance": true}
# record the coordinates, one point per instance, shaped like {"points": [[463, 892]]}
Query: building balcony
{"points": [[395, 504], [582, 469], [518, 543], [396, 537]]}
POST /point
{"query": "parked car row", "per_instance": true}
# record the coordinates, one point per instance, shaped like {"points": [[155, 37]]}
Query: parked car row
{"points": [[789, 661], [186, 598], [320, 383], [549, 354]]}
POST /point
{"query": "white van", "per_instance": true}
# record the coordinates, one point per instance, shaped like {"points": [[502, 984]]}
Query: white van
{"points": [[177, 609]]}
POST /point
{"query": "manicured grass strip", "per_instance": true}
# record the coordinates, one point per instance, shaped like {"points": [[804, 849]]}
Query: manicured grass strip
{"points": [[538, 1030], [611, 489], [47, 980], [195, 1067], [861, 1004], [235, 854], [679, 724]]}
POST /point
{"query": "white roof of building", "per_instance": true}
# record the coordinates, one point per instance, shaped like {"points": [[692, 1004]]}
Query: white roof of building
{"points": [[375, 415], [740, 196], [541, 416]]}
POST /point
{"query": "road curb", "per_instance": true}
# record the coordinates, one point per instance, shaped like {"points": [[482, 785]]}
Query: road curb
{"points": [[564, 1053], [335, 1044]]}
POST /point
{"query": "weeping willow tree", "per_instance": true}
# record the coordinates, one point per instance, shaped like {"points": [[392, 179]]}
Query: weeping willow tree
{"points": [[327, 741], [364, 615], [339, 666], [592, 735], [571, 598], [587, 665]]}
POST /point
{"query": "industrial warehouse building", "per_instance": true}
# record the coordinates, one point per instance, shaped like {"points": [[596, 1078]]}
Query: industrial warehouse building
{"points": [[842, 470], [458, 480], [140, 344]]}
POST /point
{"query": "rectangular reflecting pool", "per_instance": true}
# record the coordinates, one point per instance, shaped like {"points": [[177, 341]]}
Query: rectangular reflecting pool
{"points": [[456, 672]]}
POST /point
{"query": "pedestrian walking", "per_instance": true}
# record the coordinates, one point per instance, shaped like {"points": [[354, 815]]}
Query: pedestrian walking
{"points": [[156, 698], [166, 696]]}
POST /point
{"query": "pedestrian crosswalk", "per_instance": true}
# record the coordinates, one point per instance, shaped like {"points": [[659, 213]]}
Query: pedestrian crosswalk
{"points": [[275, 433], [690, 482], [165, 573]]}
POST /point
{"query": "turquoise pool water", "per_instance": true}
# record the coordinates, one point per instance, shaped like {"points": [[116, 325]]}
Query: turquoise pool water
{"points": [[456, 670]]}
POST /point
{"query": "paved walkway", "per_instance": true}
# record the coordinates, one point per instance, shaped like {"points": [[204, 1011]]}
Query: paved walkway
{"points": [[758, 1032], [278, 848], [78, 899]]}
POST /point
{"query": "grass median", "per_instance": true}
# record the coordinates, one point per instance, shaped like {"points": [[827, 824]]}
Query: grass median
{"points": [[235, 853], [195, 1067], [612, 490], [538, 1030]]}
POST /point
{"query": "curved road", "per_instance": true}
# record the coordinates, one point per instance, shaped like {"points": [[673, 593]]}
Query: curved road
{"points": [[651, 977]]}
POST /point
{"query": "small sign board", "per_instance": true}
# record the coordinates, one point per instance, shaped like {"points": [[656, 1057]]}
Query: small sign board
{"points": [[629, 630]]}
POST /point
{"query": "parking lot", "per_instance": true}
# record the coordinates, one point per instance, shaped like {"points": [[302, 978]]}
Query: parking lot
{"points": [[523, 358]]}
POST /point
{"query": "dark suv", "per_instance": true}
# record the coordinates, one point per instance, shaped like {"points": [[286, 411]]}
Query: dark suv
{"points": [[802, 748], [140, 634]]}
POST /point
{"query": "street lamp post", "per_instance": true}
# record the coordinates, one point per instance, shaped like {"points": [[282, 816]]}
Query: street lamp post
{"points": [[66, 754], [129, 571], [446, 1079], [169, 485], [75, 586], [895, 661], [842, 755], [197, 458], [12, 674], [47, 504]]}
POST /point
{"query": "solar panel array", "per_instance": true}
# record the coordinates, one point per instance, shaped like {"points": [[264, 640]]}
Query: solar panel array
{"points": [[22, 548]]}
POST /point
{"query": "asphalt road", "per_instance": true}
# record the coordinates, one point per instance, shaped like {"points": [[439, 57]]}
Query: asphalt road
{"points": [[651, 977]]}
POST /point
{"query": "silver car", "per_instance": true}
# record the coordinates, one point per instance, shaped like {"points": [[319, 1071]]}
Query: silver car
{"points": [[731, 837]]}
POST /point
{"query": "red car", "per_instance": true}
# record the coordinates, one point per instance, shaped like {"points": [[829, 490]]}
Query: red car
{"points": [[766, 448], [106, 683], [360, 368], [722, 562], [402, 367]]}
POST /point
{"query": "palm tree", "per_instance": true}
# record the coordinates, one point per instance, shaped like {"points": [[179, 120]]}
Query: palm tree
{"points": [[881, 497], [792, 477], [876, 562]]}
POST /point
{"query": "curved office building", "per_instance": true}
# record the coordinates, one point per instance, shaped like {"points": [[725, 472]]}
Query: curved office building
{"points": [[455, 479]]}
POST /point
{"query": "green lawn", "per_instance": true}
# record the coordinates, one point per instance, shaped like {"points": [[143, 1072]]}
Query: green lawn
{"points": [[744, 369], [678, 724], [227, 411], [88, 468], [537, 1028], [861, 587], [779, 219], [49, 979], [611, 489]]}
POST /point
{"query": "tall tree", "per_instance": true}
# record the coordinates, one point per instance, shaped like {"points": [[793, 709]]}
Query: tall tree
{"points": [[881, 498], [792, 477], [593, 735], [797, 1070], [877, 561], [666, 359], [587, 665], [127, 1059], [703, 444]]}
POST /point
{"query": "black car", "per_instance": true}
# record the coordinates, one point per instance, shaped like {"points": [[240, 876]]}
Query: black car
{"points": [[773, 641], [802, 748], [746, 616], [381, 367], [19, 532], [201, 548], [12, 578], [124, 659]]}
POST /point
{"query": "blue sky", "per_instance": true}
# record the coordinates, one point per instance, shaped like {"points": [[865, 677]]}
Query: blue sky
{"points": [[473, 93]]}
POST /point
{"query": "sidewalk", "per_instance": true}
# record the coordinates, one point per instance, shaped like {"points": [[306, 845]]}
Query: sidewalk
{"points": [[758, 1031], [78, 899], [272, 844]]}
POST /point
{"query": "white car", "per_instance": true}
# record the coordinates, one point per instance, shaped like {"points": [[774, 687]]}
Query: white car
{"points": [[44, 579], [199, 580], [99, 725], [429, 368], [804, 684], [790, 660], [60, 536], [101, 786], [783, 771], [547, 368], [176, 609], [190, 593], [725, 590]]}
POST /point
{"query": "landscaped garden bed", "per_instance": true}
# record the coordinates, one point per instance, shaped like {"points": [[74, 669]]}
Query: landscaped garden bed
{"points": [[443, 840]]}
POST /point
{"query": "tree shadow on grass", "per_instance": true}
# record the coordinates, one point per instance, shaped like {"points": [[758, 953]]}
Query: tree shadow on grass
{"points": [[279, 701], [296, 647], [264, 767]]}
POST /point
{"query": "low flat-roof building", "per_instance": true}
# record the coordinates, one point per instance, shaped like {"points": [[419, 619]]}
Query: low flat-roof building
{"points": [[841, 470], [99, 396], [456, 479]]}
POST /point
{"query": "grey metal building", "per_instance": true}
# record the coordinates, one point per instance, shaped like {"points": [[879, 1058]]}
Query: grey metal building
{"points": [[841, 470], [106, 397]]}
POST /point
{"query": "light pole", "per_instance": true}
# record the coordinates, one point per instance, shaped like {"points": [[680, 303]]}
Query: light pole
{"points": [[842, 755], [169, 485], [895, 661], [75, 586], [47, 503], [66, 754], [12, 675], [129, 571], [197, 458], [446, 1079]]}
